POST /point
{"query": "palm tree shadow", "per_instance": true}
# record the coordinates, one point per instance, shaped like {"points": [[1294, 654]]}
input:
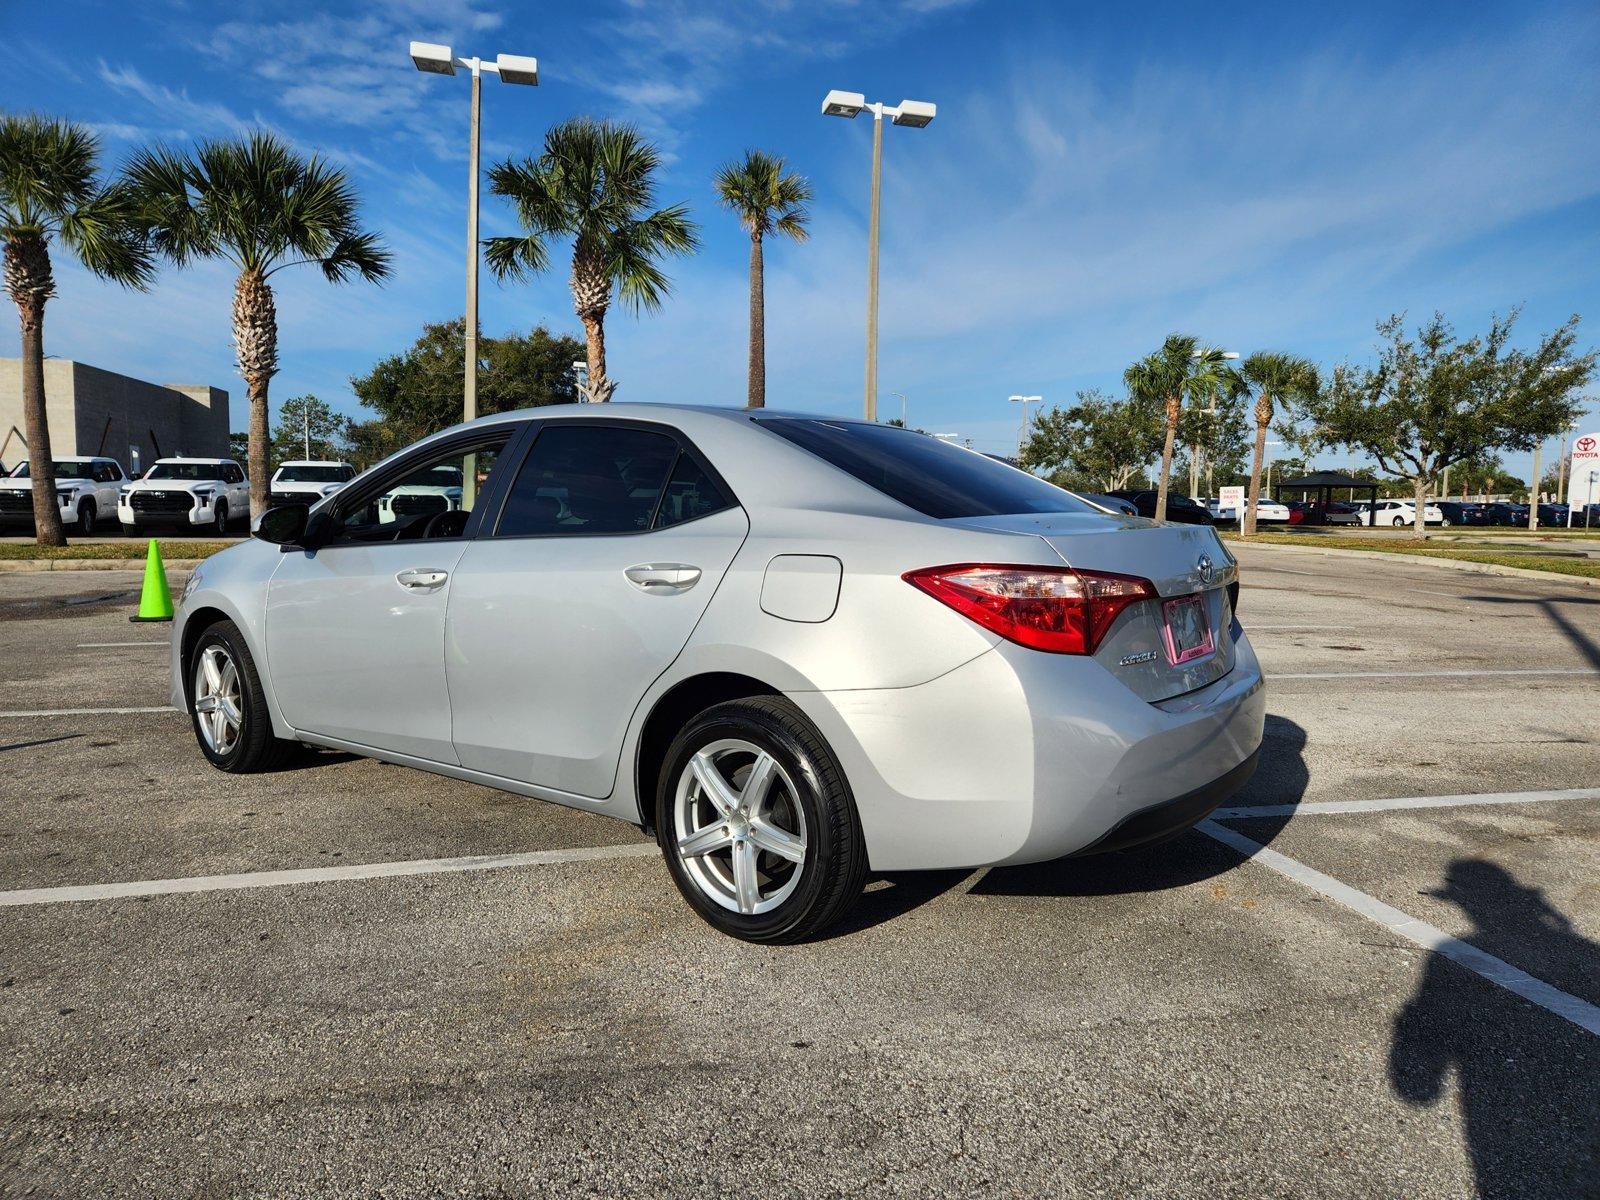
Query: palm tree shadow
{"points": [[1527, 1080]]}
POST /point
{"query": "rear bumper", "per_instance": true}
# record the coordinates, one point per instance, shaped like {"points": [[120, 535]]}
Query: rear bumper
{"points": [[1022, 757], [1167, 820]]}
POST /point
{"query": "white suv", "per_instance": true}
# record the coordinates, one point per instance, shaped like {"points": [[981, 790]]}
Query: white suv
{"points": [[306, 481], [188, 493], [86, 491]]}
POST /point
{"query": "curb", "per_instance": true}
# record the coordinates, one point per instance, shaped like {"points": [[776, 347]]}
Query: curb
{"points": [[1450, 564], [91, 564]]}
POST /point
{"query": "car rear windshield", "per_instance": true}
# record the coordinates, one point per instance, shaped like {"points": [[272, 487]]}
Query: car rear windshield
{"points": [[309, 474], [924, 473], [185, 471]]}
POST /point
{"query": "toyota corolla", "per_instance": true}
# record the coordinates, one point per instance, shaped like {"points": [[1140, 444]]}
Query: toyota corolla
{"points": [[795, 649]]}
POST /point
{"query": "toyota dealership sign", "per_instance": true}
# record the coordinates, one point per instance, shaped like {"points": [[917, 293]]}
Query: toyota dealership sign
{"points": [[1583, 484]]}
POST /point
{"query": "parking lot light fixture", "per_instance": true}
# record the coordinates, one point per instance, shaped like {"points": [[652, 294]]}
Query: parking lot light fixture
{"points": [[914, 114], [1022, 431], [432, 59]]}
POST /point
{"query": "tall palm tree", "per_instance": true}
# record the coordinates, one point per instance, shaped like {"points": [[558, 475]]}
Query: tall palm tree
{"points": [[1181, 370], [51, 190], [258, 204], [1275, 377], [595, 183], [766, 200]]}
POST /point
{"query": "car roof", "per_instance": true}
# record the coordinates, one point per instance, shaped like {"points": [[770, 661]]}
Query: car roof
{"points": [[313, 462]]}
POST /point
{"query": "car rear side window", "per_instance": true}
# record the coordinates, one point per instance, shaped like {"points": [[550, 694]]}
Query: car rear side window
{"points": [[691, 493], [588, 479], [924, 473]]}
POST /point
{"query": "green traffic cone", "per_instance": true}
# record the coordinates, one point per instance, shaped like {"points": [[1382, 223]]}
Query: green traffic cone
{"points": [[155, 601]]}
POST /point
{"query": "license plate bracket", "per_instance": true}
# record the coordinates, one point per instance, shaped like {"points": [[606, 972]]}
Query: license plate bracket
{"points": [[1186, 627]]}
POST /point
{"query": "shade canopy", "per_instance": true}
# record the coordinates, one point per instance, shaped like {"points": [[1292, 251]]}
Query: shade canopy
{"points": [[1323, 479]]}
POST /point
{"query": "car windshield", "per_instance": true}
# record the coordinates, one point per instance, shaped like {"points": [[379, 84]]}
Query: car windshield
{"points": [[188, 471], [66, 468], [924, 473], [313, 473], [445, 477]]}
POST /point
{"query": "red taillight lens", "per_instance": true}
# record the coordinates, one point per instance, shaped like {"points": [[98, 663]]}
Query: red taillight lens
{"points": [[1047, 608]]}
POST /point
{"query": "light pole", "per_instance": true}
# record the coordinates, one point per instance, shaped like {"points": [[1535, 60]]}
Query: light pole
{"points": [[512, 68], [580, 375], [1194, 448], [901, 396], [913, 113], [1270, 445], [1022, 431]]}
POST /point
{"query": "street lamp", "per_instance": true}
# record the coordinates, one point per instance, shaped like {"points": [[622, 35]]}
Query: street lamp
{"points": [[512, 68], [1022, 432], [901, 396], [914, 114], [1194, 449]]}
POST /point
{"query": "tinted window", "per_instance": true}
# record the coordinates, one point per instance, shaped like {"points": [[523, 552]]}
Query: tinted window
{"points": [[924, 473], [189, 471], [433, 498], [313, 474], [690, 494], [582, 479]]}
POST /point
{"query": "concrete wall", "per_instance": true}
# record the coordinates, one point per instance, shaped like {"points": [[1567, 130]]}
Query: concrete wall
{"points": [[92, 411]]}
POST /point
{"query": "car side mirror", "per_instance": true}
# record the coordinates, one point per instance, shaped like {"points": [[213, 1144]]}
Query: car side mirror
{"points": [[284, 526]]}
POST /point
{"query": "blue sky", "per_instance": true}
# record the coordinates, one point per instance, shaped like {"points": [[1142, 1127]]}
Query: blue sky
{"points": [[1265, 176]]}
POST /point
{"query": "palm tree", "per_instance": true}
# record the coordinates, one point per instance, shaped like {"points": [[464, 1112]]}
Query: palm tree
{"points": [[258, 204], [50, 189], [1275, 377], [594, 183], [1181, 369], [766, 201]]}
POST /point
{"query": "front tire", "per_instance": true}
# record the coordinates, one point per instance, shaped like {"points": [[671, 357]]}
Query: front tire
{"points": [[220, 518], [228, 707], [757, 823], [86, 515]]}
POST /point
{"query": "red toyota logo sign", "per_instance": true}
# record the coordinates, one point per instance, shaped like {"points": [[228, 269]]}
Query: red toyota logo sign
{"points": [[1584, 445]]}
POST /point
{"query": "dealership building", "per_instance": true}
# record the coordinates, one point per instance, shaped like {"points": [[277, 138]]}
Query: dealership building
{"points": [[97, 412]]}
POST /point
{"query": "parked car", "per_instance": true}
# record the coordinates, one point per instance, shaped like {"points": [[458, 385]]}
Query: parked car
{"points": [[1180, 509], [305, 481], [792, 647], [1513, 515], [86, 491], [1552, 514], [1114, 503], [1398, 512], [436, 491], [186, 493], [1461, 512], [1266, 510]]}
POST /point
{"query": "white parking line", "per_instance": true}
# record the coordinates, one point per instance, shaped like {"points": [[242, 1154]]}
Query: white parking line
{"points": [[1581, 1013], [1354, 806], [264, 879], [109, 645], [82, 712], [1433, 674], [1253, 628]]}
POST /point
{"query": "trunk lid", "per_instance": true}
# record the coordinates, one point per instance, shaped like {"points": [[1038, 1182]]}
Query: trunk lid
{"points": [[1180, 560]]}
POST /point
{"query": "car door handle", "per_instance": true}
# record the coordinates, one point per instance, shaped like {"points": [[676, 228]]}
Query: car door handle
{"points": [[422, 579], [663, 577]]}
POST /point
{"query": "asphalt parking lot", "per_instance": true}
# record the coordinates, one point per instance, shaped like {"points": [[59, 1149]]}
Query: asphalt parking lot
{"points": [[1398, 996]]}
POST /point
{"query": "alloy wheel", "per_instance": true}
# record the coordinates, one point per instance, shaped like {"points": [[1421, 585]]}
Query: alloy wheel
{"points": [[217, 701], [739, 826]]}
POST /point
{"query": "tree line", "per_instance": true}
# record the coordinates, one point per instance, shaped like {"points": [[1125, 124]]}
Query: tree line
{"points": [[1432, 402], [259, 205]]}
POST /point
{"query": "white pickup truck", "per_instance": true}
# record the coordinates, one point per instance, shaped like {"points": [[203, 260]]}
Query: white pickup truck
{"points": [[306, 481], [186, 493], [86, 492]]}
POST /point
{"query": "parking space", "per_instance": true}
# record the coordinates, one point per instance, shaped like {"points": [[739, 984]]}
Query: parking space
{"points": [[1185, 1021]]}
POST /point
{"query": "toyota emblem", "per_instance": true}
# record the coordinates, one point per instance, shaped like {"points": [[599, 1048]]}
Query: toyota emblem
{"points": [[1203, 568]]}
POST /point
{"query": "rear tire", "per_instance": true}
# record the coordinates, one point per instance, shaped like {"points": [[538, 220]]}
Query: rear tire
{"points": [[771, 848], [235, 729], [1400, 522]]}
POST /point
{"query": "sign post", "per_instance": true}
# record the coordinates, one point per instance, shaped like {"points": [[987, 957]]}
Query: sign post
{"points": [[1231, 497]]}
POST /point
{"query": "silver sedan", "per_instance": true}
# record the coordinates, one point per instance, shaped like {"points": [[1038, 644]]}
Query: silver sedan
{"points": [[794, 648]]}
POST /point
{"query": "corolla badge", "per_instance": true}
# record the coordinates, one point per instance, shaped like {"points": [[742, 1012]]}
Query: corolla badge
{"points": [[1203, 568]]}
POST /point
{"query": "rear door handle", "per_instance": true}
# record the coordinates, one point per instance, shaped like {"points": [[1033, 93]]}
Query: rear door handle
{"points": [[422, 579], [663, 577]]}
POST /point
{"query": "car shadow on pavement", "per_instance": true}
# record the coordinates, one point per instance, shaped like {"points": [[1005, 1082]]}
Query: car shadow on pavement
{"points": [[1528, 1082], [1552, 606]]}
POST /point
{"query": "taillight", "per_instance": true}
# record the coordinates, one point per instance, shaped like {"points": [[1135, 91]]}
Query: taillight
{"points": [[1056, 609]]}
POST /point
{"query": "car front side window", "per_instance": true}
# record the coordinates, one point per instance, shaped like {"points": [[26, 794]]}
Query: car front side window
{"points": [[434, 497]]}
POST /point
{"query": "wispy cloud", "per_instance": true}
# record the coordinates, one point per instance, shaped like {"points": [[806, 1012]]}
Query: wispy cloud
{"points": [[182, 113]]}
